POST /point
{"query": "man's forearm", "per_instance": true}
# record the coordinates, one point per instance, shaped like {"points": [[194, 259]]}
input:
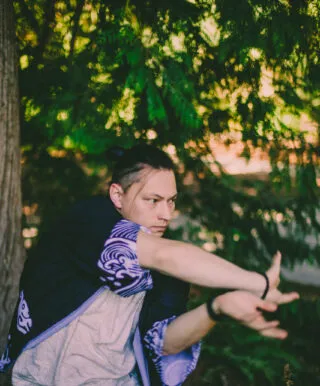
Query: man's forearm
{"points": [[186, 330], [194, 265]]}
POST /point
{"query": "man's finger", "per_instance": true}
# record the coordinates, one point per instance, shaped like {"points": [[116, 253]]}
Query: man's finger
{"points": [[276, 261], [276, 333], [274, 271], [287, 298], [278, 257], [248, 318], [267, 306], [263, 324]]}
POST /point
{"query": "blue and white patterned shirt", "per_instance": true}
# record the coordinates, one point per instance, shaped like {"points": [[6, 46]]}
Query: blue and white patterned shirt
{"points": [[90, 250]]}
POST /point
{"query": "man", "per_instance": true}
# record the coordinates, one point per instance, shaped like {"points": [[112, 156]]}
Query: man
{"points": [[144, 203], [82, 290]]}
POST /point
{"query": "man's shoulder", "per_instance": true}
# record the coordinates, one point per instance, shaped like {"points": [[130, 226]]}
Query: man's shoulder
{"points": [[93, 207], [94, 202]]}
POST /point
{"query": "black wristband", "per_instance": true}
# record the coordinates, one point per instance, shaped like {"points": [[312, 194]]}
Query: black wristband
{"points": [[267, 286], [212, 314]]}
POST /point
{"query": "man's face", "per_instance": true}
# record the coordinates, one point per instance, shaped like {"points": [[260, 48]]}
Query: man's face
{"points": [[151, 201]]}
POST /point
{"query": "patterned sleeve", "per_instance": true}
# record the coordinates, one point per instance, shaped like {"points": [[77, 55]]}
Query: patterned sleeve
{"points": [[173, 369], [118, 262]]}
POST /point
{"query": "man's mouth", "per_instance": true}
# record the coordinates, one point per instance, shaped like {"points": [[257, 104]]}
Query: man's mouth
{"points": [[158, 228]]}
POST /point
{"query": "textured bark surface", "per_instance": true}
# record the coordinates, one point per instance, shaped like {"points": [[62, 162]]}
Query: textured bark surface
{"points": [[11, 250]]}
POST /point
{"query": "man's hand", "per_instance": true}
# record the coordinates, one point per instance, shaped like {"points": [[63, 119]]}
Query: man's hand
{"points": [[273, 273], [243, 306], [247, 309]]}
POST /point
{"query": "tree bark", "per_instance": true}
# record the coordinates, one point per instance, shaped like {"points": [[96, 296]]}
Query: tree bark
{"points": [[11, 248]]}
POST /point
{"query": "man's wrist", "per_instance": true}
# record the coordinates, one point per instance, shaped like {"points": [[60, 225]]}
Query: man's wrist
{"points": [[213, 309], [267, 287], [262, 283]]}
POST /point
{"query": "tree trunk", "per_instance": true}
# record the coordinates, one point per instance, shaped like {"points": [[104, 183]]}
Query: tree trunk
{"points": [[11, 249]]}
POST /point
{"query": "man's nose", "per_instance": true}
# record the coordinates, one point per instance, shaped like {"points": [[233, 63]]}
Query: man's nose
{"points": [[165, 211]]}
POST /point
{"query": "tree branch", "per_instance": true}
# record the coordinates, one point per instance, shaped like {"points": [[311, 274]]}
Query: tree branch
{"points": [[47, 27], [30, 17], [76, 18]]}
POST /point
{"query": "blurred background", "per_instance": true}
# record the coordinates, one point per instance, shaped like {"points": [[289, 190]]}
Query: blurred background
{"points": [[230, 89]]}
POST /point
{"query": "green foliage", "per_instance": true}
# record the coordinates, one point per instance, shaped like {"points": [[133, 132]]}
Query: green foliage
{"points": [[245, 356], [238, 356]]}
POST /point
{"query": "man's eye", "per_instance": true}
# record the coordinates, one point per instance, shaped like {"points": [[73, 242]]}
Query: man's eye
{"points": [[152, 200]]}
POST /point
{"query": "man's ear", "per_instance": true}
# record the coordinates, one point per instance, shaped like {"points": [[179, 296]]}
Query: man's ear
{"points": [[116, 194]]}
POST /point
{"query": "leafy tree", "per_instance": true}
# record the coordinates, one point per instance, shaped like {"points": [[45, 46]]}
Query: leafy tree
{"points": [[186, 74]]}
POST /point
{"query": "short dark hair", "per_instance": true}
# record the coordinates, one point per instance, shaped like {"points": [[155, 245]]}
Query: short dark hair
{"points": [[132, 161]]}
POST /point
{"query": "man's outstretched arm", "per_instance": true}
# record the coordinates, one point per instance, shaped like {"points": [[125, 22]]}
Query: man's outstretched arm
{"points": [[194, 265], [172, 341], [246, 308]]}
